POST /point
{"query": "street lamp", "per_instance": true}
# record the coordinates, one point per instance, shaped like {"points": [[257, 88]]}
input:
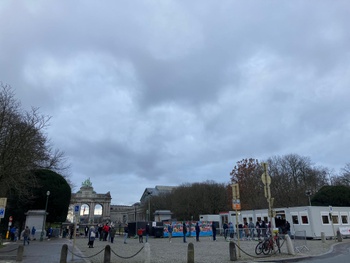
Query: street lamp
{"points": [[308, 194], [149, 205], [43, 228]]}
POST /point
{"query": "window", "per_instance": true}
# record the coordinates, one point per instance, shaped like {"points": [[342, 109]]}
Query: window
{"points": [[344, 219], [304, 219], [335, 219], [325, 219], [295, 220]]}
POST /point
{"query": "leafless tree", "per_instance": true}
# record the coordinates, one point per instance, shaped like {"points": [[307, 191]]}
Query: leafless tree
{"points": [[24, 147], [291, 176]]}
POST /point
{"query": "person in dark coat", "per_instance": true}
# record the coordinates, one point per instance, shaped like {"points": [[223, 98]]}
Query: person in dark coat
{"points": [[213, 226], [198, 230], [184, 231]]}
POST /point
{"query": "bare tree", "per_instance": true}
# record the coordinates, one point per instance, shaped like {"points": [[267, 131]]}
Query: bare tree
{"points": [[24, 147], [292, 175], [344, 177]]}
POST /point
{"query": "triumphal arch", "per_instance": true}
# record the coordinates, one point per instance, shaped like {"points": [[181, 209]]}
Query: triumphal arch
{"points": [[93, 208]]}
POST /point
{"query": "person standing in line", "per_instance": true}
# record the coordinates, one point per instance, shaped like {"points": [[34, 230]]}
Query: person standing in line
{"points": [[126, 232], [213, 226], [33, 233], [112, 232], [287, 227], [147, 232], [26, 233], [198, 230], [170, 231], [184, 231], [251, 228], [231, 230], [91, 236]]}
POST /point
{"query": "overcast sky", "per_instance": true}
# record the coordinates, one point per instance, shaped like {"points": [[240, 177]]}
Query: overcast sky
{"points": [[146, 93]]}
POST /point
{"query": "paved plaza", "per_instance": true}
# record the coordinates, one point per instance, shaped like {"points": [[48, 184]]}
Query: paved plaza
{"points": [[160, 249]]}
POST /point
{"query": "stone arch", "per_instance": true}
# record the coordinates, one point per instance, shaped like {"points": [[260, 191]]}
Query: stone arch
{"points": [[86, 196]]}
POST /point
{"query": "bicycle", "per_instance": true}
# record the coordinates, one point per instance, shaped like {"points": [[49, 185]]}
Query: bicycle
{"points": [[267, 245]]}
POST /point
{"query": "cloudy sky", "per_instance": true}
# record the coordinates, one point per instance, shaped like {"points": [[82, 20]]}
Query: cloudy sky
{"points": [[146, 93]]}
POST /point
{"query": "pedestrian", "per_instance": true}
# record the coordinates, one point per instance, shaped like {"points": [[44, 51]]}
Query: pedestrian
{"points": [[147, 232], [12, 233], [251, 229], [225, 227], [184, 231], [240, 230], [263, 227], [140, 234], [49, 233], [86, 230], [287, 227], [33, 233], [71, 232], [105, 231], [231, 230], [25, 235], [126, 232], [91, 236], [246, 230], [258, 230], [100, 234], [112, 232], [198, 230], [213, 226], [170, 231]]}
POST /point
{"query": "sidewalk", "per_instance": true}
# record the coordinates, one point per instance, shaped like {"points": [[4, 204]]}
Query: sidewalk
{"points": [[47, 251]]}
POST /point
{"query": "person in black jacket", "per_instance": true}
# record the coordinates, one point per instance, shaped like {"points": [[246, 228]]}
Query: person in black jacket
{"points": [[198, 230], [213, 226], [184, 231]]}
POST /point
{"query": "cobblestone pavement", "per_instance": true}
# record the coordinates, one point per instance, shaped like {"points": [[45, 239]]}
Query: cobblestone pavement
{"points": [[204, 251], [162, 251]]}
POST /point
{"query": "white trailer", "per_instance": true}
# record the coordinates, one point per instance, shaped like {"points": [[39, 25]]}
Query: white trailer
{"points": [[308, 221]]}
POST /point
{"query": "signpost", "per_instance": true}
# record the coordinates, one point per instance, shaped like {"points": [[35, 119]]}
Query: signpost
{"points": [[75, 218], [236, 205]]}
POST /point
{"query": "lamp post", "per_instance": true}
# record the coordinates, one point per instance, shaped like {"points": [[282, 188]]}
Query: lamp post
{"points": [[308, 194], [149, 205], [43, 228]]}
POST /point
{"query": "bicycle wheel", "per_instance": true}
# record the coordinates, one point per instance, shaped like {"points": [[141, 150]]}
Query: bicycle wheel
{"points": [[259, 248], [266, 247]]}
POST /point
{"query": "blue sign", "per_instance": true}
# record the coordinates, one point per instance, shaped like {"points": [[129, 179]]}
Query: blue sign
{"points": [[76, 208], [2, 212]]}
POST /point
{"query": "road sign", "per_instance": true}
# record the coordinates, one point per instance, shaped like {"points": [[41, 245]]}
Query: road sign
{"points": [[235, 191], [236, 204], [3, 202], [76, 209], [2, 212]]}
